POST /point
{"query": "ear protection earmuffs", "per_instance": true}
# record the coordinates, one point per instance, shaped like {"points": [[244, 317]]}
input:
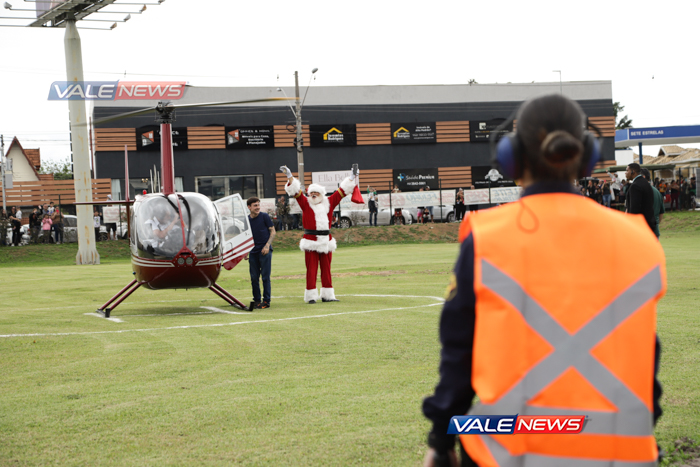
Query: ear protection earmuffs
{"points": [[508, 152]]}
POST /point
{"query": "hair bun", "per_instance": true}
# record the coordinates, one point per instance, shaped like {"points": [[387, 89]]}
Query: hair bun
{"points": [[561, 148]]}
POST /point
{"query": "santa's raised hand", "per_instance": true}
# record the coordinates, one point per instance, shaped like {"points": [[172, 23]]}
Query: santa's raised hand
{"points": [[285, 170]]}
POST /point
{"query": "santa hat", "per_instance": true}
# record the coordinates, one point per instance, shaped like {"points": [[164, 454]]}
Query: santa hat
{"points": [[317, 188]]}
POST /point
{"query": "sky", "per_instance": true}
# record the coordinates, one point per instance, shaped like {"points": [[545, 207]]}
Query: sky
{"points": [[645, 48]]}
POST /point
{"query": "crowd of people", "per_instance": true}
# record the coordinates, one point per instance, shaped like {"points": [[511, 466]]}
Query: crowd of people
{"points": [[680, 192], [45, 225]]}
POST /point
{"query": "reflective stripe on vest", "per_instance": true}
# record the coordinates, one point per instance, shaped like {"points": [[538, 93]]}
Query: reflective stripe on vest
{"points": [[617, 436]]}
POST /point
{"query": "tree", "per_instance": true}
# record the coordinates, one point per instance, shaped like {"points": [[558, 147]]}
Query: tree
{"points": [[623, 122], [61, 169]]}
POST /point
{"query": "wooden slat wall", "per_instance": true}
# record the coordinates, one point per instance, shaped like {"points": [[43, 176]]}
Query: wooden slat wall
{"points": [[206, 137], [452, 132], [114, 139], [603, 165], [380, 179], [45, 191], [285, 139], [606, 125], [281, 181], [373, 133], [455, 177]]}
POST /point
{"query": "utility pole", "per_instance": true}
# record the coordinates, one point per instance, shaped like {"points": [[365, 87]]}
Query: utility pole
{"points": [[300, 144], [87, 253]]}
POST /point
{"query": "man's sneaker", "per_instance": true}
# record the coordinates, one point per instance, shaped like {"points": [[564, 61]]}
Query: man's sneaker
{"points": [[330, 300], [311, 302], [263, 305], [255, 305]]}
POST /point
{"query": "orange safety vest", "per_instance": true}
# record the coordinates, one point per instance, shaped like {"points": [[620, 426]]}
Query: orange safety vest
{"points": [[557, 334]]}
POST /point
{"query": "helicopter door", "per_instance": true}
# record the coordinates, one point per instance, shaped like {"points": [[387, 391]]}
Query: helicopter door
{"points": [[238, 238]]}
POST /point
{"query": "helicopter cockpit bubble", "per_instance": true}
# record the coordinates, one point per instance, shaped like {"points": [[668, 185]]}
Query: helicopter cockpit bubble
{"points": [[158, 232]]}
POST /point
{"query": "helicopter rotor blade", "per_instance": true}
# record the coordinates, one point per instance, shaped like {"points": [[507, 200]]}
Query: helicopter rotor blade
{"points": [[133, 113], [170, 105], [212, 104]]}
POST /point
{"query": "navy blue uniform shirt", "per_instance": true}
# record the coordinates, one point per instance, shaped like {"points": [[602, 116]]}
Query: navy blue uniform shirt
{"points": [[260, 226]]}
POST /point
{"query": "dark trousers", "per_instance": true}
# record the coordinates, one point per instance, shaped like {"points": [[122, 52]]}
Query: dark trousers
{"points": [[16, 233], [57, 233], [260, 265], [373, 213]]}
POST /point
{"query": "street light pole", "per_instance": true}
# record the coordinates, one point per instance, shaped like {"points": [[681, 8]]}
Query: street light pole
{"points": [[560, 88], [300, 145]]}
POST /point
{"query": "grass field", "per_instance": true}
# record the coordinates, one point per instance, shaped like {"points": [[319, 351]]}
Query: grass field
{"points": [[174, 383]]}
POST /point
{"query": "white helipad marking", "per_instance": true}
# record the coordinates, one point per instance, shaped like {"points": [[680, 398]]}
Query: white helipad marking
{"points": [[218, 310], [328, 315], [114, 320]]}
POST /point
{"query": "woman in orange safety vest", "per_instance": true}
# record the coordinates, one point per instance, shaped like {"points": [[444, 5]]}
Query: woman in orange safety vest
{"points": [[529, 330]]}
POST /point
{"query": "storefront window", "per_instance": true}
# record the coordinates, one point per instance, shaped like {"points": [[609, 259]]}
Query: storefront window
{"points": [[220, 187]]}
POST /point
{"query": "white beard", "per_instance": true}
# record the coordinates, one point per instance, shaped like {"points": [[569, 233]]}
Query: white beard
{"points": [[316, 200]]}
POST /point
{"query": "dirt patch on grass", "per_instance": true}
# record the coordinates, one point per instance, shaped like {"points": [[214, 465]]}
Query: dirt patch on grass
{"points": [[347, 274]]}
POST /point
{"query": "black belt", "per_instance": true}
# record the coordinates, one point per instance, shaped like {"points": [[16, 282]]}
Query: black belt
{"points": [[317, 232]]}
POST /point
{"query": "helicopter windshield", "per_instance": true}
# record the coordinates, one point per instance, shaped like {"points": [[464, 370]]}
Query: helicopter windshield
{"points": [[165, 225]]}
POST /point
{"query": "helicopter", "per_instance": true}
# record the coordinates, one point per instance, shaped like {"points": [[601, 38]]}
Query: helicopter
{"points": [[180, 240]]}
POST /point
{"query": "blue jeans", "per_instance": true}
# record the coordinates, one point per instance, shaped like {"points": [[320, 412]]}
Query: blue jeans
{"points": [[606, 200], [260, 265], [373, 213]]}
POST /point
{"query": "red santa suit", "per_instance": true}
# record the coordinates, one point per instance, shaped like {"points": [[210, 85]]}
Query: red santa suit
{"points": [[318, 244]]}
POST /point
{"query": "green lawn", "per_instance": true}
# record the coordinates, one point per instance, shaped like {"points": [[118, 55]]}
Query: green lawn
{"points": [[295, 384]]}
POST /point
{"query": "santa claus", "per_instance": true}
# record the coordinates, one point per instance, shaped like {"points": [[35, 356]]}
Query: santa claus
{"points": [[318, 244]]}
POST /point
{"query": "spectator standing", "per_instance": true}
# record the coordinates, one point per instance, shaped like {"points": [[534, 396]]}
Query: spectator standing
{"points": [[460, 207], [372, 204], [623, 191], [260, 257], [16, 220], [96, 225], [675, 189], [282, 210], [57, 225], [51, 209], [607, 194], [419, 211], [34, 225], [615, 185], [429, 208], [46, 228], [659, 209], [693, 193], [5, 227], [510, 335], [640, 196]]}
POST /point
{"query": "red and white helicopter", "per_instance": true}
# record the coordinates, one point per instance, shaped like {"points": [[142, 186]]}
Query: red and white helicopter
{"points": [[181, 240]]}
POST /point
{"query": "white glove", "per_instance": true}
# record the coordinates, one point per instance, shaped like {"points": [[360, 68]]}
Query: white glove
{"points": [[352, 175], [285, 170]]}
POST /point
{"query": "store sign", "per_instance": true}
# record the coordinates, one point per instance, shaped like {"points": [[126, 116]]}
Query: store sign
{"points": [[330, 180], [333, 135], [412, 133], [250, 137], [484, 176], [148, 138], [480, 131], [415, 179]]}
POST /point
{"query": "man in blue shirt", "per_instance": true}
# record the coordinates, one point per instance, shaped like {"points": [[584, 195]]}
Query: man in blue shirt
{"points": [[260, 258]]}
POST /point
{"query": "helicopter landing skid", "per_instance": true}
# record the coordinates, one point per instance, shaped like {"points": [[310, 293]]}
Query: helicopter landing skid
{"points": [[118, 298], [221, 292]]}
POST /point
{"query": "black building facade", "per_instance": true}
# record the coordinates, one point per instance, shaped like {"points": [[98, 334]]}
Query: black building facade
{"points": [[224, 150]]}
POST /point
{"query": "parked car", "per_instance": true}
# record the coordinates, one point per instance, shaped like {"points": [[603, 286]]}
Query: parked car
{"points": [[361, 217], [70, 230]]}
